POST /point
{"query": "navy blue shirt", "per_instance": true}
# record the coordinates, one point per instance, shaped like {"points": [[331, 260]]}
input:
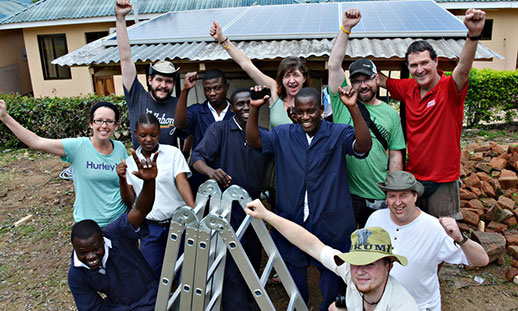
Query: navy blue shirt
{"points": [[319, 168], [128, 282], [224, 146], [199, 117]]}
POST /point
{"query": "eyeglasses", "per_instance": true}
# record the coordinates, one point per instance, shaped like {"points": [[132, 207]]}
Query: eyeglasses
{"points": [[356, 83], [101, 121]]}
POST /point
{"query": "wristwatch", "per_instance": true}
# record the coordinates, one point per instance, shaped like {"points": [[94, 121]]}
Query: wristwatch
{"points": [[464, 239]]}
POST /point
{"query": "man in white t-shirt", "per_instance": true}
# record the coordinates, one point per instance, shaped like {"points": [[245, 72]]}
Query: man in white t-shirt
{"points": [[425, 240], [365, 268]]}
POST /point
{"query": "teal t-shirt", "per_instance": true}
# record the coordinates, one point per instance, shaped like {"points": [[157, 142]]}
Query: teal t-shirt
{"points": [[278, 114], [364, 173], [96, 182]]}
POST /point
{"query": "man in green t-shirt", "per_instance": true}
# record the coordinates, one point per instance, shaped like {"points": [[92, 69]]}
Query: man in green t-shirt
{"points": [[365, 173]]}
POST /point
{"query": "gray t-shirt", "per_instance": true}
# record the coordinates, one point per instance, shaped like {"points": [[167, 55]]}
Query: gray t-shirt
{"points": [[139, 102]]}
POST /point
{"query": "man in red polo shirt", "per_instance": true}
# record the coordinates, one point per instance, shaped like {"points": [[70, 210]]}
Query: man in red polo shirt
{"points": [[434, 114]]}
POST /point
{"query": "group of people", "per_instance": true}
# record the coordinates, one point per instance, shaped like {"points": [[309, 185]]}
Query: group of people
{"points": [[342, 200]]}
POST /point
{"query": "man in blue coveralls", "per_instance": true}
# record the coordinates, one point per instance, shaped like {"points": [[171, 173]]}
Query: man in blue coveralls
{"points": [[224, 155], [108, 261], [311, 178]]}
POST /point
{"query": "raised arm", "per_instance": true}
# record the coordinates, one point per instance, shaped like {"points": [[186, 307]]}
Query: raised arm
{"points": [[395, 160], [363, 143], [128, 69], [243, 60], [33, 141], [147, 171], [474, 252], [336, 73], [253, 136], [180, 114], [474, 21], [382, 82], [294, 233]]}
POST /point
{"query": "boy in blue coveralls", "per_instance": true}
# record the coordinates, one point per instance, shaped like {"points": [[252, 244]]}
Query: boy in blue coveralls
{"points": [[224, 155], [109, 261], [311, 178]]}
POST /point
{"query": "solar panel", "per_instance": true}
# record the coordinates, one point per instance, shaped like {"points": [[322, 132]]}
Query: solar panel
{"points": [[380, 19]]}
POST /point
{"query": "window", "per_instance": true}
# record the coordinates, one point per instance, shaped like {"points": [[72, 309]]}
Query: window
{"points": [[52, 47], [92, 36], [487, 32]]}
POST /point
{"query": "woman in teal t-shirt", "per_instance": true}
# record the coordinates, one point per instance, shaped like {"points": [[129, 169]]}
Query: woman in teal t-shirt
{"points": [[292, 76], [93, 162]]}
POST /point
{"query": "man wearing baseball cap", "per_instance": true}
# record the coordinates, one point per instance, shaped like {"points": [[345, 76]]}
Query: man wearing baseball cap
{"points": [[383, 121], [161, 78], [365, 268], [425, 240]]}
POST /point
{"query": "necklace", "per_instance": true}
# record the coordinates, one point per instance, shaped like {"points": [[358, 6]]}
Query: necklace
{"points": [[376, 302]]}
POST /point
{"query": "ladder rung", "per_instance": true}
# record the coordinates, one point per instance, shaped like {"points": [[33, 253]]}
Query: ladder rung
{"points": [[268, 269]]}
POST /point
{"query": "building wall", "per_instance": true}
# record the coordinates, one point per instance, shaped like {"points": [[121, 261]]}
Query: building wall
{"points": [[12, 51], [81, 81], [503, 41]]}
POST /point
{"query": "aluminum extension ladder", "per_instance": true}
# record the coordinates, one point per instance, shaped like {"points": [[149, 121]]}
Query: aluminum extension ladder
{"points": [[205, 249]]}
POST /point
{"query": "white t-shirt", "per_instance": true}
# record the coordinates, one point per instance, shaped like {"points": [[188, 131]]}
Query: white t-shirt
{"points": [[395, 296], [170, 163], [425, 244]]}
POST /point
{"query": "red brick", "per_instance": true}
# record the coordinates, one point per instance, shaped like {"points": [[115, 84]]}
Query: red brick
{"points": [[511, 221], [483, 166], [488, 189], [511, 237], [472, 181], [477, 156], [476, 191], [497, 148], [482, 147], [476, 204], [496, 227], [484, 176], [513, 251], [477, 211], [488, 202], [464, 156], [510, 273], [469, 217], [467, 195], [506, 203], [497, 163]]}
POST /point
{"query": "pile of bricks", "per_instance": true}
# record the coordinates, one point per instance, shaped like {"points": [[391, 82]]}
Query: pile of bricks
{"points": [[489, 196]]}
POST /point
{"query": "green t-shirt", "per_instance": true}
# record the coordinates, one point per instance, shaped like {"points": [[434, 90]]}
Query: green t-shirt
{"points": [[96, 182], [278, 114], [363, 174]]}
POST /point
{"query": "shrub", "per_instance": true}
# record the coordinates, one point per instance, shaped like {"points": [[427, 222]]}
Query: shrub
{"points": [[57, 117], [492, 96]]}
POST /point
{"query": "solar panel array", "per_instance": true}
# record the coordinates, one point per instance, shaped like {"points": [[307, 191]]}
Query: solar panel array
{"points": [[386, 19]]}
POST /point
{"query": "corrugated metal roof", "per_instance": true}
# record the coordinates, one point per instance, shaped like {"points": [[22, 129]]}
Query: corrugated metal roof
{"points": [[48, 10], [10, 7], [96, 53]]}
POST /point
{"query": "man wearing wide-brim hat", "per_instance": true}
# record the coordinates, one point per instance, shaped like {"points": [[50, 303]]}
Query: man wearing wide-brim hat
{"points": [[425, 240], [365, 268]]}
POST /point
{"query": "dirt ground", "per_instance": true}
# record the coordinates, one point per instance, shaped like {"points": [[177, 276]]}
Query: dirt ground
{"points": [[34, 257]]}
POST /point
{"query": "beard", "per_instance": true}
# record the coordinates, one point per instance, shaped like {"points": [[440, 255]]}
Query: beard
{"points": [[162, 99], [368, 97]]}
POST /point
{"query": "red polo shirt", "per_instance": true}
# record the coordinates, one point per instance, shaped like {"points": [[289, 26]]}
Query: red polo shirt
{"points": [[433, 127]]}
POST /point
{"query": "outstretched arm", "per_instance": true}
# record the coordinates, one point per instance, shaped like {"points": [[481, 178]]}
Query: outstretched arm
{"points": [[474, 21], [180, 114], [336, 73], [363, 143], [243, 60], [253, 136], [53, 146], [147, 171], [395, 160], [128, 69], [475, 253], [294, 233]]}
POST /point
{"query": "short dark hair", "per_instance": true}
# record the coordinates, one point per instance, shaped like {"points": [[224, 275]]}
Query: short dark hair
{"points": [[85, 229], [420, 46], [147, 118], [309, 92], [107, 105], [239, 90], [287, 65], [214, 74]]}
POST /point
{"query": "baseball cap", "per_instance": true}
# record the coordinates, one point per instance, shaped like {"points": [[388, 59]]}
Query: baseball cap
{"points": [[364, 66], [401, 181], [164, 67], [368, 245]]}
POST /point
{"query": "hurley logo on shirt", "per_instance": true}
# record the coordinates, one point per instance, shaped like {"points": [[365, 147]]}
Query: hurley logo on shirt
{"points": [[100, 166]]}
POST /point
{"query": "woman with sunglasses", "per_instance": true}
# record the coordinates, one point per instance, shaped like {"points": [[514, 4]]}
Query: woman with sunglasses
{"points": [[93, 160]]}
